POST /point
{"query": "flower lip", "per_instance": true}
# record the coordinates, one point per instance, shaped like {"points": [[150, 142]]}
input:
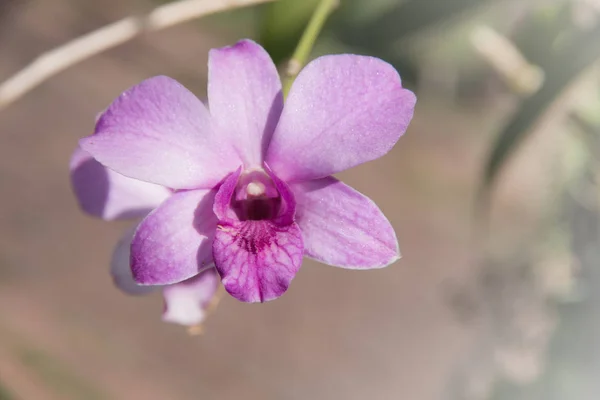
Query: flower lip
{"points": [[256, 258]]}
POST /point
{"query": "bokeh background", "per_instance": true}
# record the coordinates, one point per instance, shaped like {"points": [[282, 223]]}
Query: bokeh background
{"points": [[493, 192]]}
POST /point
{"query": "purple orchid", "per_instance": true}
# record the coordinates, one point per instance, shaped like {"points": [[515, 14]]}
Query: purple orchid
{"points": [[251, 179], [108, 195]]}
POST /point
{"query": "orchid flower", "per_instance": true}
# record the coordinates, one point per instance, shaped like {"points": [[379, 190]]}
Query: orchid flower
{"points": [[252, 183], [108, 195]]}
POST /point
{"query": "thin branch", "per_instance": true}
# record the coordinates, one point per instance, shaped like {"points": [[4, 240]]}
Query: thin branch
{"points": [[522, 76], [54, 61]]}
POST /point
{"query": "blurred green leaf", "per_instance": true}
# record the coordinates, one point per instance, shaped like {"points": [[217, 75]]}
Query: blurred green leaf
{"points": [[58, 376], [5, 394], [406, 18], [561, 70], [538, 35]]}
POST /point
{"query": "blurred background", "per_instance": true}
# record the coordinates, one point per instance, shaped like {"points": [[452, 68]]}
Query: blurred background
{"points": [[493, 193]]}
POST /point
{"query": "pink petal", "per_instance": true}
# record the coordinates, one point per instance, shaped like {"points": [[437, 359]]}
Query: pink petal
{"points": [[186, 302], [342, 110], [120, 268], [173, 243], [159, 132], [222, 204], [244, 95], [104, 193], [342, 227], [257, 259]]}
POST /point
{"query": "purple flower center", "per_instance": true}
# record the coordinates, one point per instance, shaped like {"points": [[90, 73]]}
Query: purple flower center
{"points": [[256, 198], [255, 236]]}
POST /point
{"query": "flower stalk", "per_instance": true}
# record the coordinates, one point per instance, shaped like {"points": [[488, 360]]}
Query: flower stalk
{"points": [[307, 42]]}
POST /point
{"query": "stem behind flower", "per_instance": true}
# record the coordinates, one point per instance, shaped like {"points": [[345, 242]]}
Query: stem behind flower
{"points": [[307, 41]]}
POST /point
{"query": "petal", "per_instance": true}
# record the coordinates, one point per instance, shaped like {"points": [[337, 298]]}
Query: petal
{"points": [[186, 302], [257, 260], [173, 243], [342, 110], [244, 96], [104, 193], [222, 204], [342, 227], [120, 268], [159, 132], [287, 208]]}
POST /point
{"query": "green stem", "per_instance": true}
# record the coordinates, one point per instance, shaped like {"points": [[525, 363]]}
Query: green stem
{"points": [[307, 41]]}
